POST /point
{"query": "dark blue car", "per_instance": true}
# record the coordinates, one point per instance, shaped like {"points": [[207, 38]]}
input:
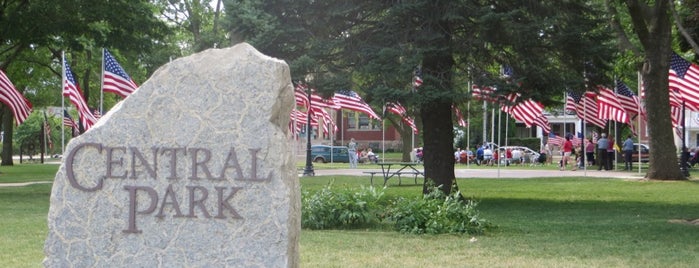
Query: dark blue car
{"points": [[322, 154]]}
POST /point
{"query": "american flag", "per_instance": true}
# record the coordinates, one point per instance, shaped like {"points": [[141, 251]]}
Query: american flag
{"points": [[71, 89], [507, 71], [609, 106], [576, 139], [20, 106], [675, 108], [628, 99], [417, 78], [327, 119], [684, 78], [589, 106], [68, 120], [555, 140], [318, 101], [398, 109], [298, 119], [572, 100], [115, 79], [97, 114], [527, 111], [301, 95], [543, 122], [509, 102], [585, 106], [350, 100], [483, 93], [459, 117]]}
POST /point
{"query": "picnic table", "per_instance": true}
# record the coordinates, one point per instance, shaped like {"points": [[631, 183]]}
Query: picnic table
{"points": [[399, 168]]}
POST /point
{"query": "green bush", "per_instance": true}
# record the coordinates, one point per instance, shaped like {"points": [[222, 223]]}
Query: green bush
{"points": [[437, 213], [340, 209]]}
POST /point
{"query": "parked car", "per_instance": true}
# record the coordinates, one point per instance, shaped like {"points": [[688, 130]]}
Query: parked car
{"points": [[526, 154], [324, 154], [645, 153]]}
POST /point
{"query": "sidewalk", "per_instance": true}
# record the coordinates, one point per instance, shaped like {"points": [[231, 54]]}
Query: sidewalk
{"points": [[21, 184], [507, 172]]}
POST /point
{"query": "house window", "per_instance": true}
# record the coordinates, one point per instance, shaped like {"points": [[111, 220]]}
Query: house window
{"points": [[361, 121]]}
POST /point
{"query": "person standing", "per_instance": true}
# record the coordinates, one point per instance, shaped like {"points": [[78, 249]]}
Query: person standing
{"points": [[549, 153], [567, 151], [590, 152], [602, 144], [628, 151], [352, 148]]}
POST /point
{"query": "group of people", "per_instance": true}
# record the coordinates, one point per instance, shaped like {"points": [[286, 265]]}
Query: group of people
{"points": [[360, 156], [485, 155], [605, 153]]}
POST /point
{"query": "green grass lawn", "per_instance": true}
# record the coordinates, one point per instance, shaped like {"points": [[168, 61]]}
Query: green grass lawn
{"points": [[548, 222]]}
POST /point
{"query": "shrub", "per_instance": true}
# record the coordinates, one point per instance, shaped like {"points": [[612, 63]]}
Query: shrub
{"points": [[437, 213], [340, 209]]}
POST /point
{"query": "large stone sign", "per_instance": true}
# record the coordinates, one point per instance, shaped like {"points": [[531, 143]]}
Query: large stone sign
{"points": [[191, 170]]}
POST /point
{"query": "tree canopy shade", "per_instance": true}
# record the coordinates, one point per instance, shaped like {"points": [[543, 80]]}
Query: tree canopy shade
{"points": [[33, 34], [374, 47]]}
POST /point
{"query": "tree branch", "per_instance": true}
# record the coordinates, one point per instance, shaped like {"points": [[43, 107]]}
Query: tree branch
{"points": [[624, 42], [682, 30], [637, 13]]}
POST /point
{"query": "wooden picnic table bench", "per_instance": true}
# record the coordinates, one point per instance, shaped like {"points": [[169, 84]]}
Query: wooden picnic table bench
{"points": [[406, 168]]}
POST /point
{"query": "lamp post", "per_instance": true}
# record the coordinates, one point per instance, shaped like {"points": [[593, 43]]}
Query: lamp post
{"points": [[308, 170]]}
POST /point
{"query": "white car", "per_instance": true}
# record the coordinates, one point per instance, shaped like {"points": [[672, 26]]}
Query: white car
{"points": [[526, 154]]}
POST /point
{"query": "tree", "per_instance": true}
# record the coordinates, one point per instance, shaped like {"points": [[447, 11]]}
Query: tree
{"points": [[196, 23], [376, 46], [34, 33], [653, 28]]}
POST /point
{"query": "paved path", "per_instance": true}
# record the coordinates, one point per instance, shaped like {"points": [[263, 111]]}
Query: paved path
{"points": [[508, 172], [20, 184]]}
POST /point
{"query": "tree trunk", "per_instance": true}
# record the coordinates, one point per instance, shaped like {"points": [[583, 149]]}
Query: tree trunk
{"points": [[7, 138], [438, 132], [405, 136], [663, 162]]}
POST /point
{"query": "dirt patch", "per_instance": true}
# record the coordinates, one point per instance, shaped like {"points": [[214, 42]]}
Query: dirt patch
{"points": [[682, 221]]}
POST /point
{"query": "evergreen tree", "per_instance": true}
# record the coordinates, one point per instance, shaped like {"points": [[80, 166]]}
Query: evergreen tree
{"points": [[377, 46]]}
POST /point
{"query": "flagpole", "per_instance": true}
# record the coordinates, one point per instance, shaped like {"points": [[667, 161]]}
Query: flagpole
{"points": [[684, 153], [468, 126], [616, 144], [582, 152], [383, 138], [485, 121], [507, 127], [582, 148], [492, 125], [616, 134], [639, 83], [565, 124], [497, 152], [46, 148], [63, 102], [102, 84]]}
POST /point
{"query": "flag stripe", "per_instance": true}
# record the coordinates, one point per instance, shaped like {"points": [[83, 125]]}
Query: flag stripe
{"points": [[18, 104], [115, 79], [609, 106], [350, 100], [72, 90], [398, 109]]}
